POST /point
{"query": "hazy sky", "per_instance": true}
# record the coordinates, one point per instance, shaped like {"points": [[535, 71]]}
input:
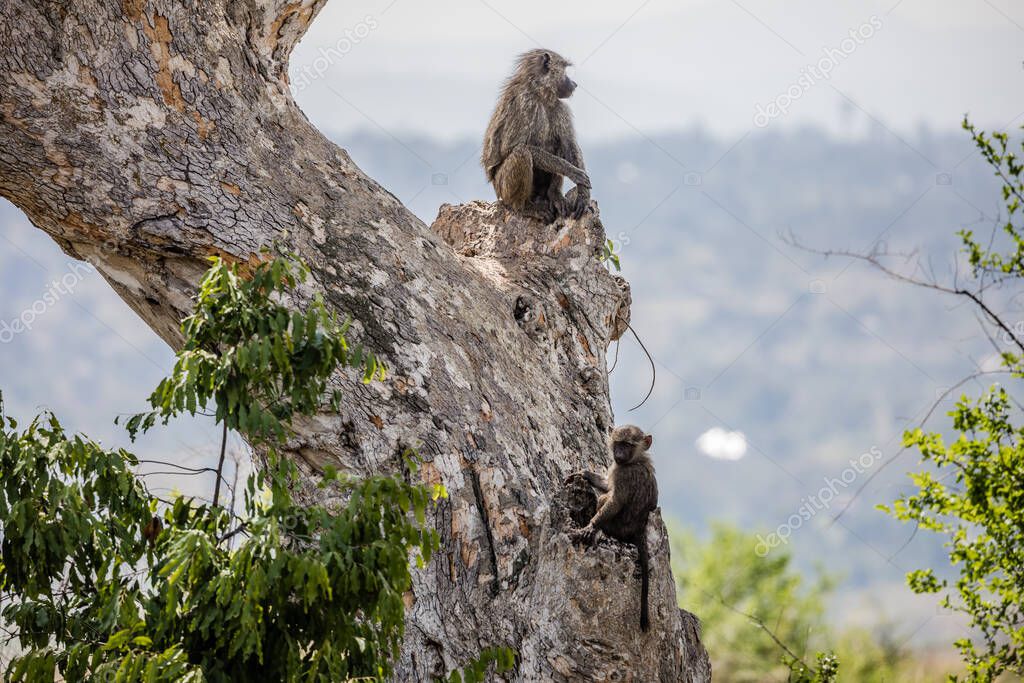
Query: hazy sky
{"points": [[646, 66]]}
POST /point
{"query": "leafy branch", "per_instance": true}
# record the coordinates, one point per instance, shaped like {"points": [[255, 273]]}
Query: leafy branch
{"points": [[101, 580]]}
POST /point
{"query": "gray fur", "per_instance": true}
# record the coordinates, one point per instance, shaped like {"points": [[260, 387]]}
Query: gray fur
{"points": [[530, 143]]}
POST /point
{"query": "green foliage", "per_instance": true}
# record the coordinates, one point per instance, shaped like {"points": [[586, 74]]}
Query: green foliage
{"points": [[974, 497], [609, 257], [258, 360], [744, 600], [879, 655], [725, 582], [101, 581], [306, 593], [826, 671], [1008, 167], [972, 493], [72, 512], [502, 658]]}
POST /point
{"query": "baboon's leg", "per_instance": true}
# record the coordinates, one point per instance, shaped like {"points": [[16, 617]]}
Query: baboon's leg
{"points": [[553, 191], [513, 182], [540, 209], [553, 164]]}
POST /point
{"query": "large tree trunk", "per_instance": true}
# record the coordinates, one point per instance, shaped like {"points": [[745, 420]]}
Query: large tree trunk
{"points": [[145, 135]]}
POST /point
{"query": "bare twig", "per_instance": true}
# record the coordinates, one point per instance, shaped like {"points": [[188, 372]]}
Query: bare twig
{"points": [[220, 463], [764, 627], [654, 371], [872, 259], [242, 527], [615, 360], [925, 419], [173, 464], [175, 473]]}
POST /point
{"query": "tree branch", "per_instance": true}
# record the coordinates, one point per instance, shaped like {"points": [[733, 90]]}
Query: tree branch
{"points": [[872, 259], [220, 464], [147, 135]]}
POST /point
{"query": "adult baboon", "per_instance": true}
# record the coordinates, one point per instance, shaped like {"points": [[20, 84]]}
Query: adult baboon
{"points": [[530, 142]]}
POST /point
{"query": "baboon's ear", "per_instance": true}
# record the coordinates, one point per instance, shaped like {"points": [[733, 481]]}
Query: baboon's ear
{"points": [[546, 61], [648, 440]]}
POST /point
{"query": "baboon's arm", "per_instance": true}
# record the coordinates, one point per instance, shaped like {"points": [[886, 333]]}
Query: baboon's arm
{"points": [[574, 155], [546, 161], [597, 481]]}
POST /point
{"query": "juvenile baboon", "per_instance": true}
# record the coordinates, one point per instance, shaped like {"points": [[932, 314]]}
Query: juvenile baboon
{"points": [[530, 143], [628, 495]]}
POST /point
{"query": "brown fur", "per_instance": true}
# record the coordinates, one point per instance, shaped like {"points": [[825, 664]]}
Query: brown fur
{"points": [[530, 143], [629, 494]]}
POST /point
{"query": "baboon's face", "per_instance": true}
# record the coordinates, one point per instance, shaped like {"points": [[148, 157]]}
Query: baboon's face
{"points": [[628, 443], [556, 66], [550, 69], [566, 86]]}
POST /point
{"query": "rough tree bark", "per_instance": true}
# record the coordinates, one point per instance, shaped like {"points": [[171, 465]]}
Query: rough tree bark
{"points": [[145, 135]]}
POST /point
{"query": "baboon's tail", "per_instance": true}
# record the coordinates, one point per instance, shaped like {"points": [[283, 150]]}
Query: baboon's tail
{"points": [[641, 546]]}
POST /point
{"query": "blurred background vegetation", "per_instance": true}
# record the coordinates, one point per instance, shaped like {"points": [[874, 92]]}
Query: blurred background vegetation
{"points": [[722, 580]]}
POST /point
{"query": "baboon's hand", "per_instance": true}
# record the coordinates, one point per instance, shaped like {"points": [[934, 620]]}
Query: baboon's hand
{"points": [[581, 203], [561, 205], [585, 535]]}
